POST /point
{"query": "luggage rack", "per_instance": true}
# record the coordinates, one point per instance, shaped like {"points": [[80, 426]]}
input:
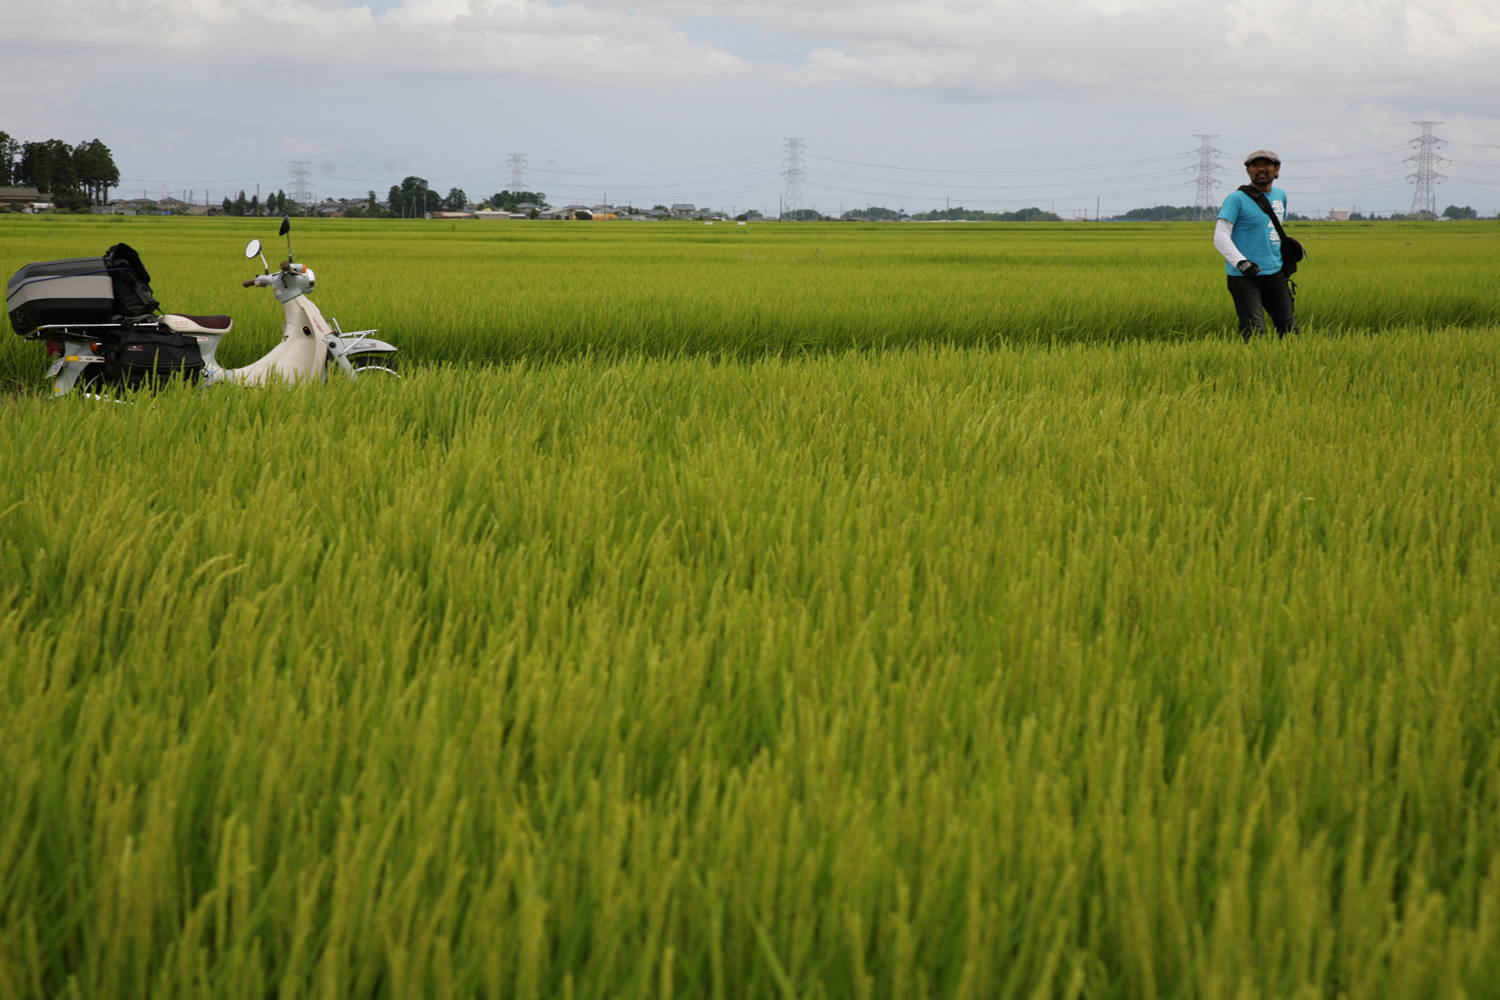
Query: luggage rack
{"points": [[49, 331]]}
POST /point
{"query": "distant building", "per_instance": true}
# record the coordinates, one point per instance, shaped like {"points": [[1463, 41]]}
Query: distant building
{"points": [[25, 198], [1338, 215], [568, 212], [684, 210]]}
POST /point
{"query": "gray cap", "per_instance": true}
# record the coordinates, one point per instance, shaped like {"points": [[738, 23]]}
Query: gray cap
{"points": [[1262, 154]]}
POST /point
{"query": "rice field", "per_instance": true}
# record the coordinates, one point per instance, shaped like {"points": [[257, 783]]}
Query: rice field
{"points": [[820, 651]]}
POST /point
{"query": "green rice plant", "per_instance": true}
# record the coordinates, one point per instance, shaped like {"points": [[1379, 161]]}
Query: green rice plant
{"points": [[496, 292], [1152, 668]]}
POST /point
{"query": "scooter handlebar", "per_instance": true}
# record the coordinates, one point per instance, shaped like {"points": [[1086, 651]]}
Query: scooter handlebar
{"points": [[248, 283]]}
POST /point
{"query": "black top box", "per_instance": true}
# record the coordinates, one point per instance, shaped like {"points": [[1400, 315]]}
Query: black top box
{"points": [[78, 290]]}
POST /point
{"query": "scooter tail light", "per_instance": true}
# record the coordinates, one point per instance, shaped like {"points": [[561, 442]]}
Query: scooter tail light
{"points": [[54, 348], [95, 347]]}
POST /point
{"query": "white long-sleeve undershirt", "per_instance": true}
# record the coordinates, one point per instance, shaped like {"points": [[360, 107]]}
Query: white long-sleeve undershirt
{"points": [[1224, 242]]}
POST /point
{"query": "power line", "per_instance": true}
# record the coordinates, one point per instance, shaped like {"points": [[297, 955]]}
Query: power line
{"points": [[1014, 170], [764, 158], [1354, 156], [1086, 183]]}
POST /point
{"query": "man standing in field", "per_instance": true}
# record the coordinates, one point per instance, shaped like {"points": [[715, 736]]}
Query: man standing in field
{"points": [[1247, 238]]}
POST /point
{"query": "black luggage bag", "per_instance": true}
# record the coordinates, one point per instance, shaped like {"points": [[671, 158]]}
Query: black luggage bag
{"points": [[147, 358]]}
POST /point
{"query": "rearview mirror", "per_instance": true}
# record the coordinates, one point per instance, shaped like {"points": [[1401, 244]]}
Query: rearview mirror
{"points": [[286, 226], [252, 249]]}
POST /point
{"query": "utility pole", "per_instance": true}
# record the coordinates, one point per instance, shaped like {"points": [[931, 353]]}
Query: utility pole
{"points": [[1208, 166], [793, 174], [517, 164], [1425, 176]]}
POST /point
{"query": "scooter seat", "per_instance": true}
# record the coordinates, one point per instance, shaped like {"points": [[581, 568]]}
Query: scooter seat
{"points": [[196, 324]]}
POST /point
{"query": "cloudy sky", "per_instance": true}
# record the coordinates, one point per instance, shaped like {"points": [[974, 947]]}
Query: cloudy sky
{"points": [[1070, 105]]}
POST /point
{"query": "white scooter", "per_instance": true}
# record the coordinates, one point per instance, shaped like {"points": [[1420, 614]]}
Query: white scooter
{"points": [[310, 345]]}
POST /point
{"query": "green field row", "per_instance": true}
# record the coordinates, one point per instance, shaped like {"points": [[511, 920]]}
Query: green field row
{"points": [[1150, 669], [497, 292]]}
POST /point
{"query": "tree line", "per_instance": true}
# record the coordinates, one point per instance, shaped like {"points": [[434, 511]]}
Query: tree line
{"points": [[73, 177], [414, 197], [878, 213], [276, 204]]}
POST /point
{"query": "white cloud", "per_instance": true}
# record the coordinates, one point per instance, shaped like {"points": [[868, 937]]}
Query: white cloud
{"points": [[1094, 48], [496, 38], [197, 88]]}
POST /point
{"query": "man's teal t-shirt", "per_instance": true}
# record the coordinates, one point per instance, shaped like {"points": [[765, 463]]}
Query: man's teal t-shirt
{"points": [[1254, 234]]}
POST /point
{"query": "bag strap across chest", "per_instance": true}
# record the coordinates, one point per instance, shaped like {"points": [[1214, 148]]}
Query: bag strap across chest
{"points": [[1258, 196]]}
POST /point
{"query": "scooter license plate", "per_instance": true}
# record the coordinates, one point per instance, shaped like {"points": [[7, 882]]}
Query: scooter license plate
{"points": [[56, 367]]}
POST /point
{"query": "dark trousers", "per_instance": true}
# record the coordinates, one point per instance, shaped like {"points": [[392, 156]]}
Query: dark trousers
{"points": [[1258, 294]]}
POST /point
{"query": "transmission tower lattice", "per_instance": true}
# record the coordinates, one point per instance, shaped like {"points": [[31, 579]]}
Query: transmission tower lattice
{"points": [[517, 164], [1425, 176], [792, 200], [301, 193], [1208, 166]]}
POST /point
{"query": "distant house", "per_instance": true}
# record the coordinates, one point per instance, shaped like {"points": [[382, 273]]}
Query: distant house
{"points": [[24, 198], [569, 212], [172, 206], [499, 216], [450, 215], [684, 210]]}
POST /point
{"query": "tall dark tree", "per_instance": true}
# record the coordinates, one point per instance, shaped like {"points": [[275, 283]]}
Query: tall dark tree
{"points": [[94, 167], [10, 153], [48, 166], [456, 201], [414, 198]]}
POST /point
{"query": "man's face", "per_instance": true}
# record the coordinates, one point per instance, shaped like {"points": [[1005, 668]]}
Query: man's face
{"points": [[1262, 171]]}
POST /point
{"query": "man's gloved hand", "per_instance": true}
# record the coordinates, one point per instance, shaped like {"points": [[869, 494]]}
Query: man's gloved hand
{"points": [[1248, 267]]}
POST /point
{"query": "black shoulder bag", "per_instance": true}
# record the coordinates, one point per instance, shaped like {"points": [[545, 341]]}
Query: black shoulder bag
{"points": [[1291, 250]]}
